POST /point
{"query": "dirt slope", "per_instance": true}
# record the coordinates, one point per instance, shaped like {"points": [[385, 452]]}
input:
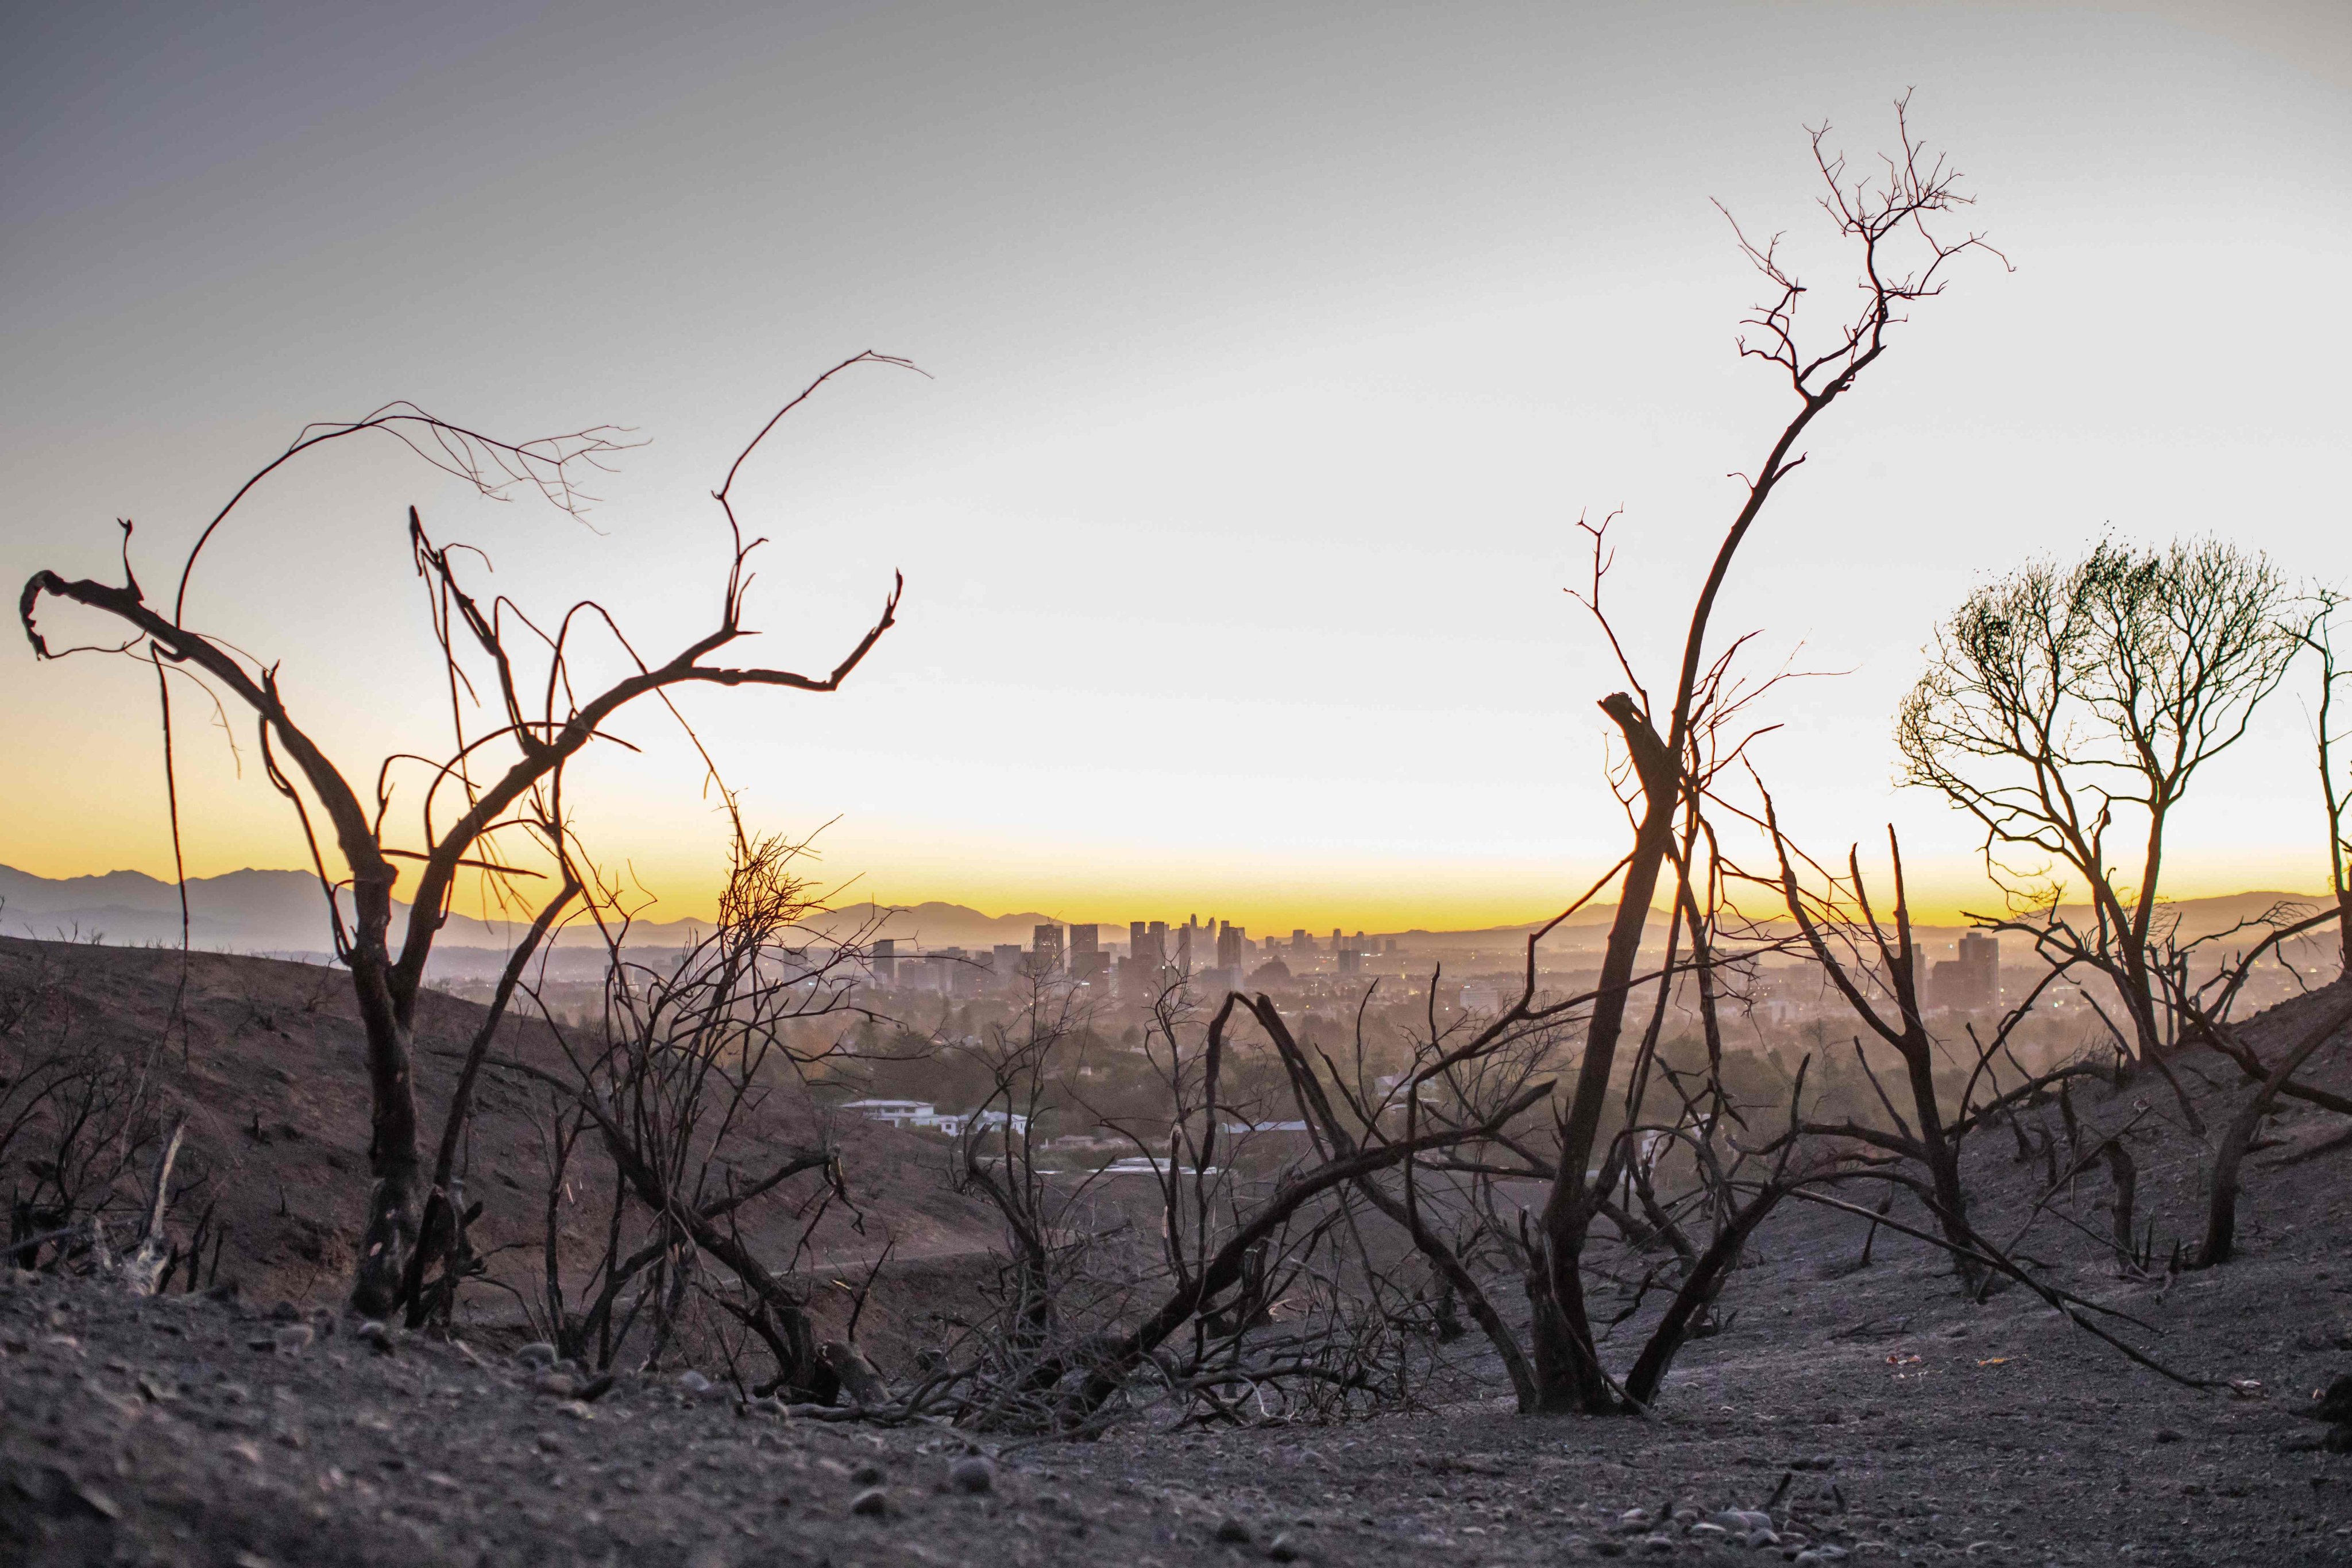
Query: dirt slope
{"points": [[271, 1081]]}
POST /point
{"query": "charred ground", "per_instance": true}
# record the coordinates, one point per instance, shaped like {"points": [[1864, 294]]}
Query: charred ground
{"points": [[1872, 1409]]}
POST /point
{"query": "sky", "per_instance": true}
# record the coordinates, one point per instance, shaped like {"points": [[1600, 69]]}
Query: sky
{"points": [[1272, 353]]}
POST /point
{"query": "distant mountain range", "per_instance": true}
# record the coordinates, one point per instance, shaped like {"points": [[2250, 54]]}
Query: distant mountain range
{"points": [[243, 912], [246, 911], [283, 911]]}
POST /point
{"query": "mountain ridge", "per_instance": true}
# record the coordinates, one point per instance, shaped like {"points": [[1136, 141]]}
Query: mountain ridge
{"points": [[254, 910]]}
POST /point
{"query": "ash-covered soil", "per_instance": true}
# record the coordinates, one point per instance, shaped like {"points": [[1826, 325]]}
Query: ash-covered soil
{"points": [[264, 1061], [1872, 1415], [186, 1430]]}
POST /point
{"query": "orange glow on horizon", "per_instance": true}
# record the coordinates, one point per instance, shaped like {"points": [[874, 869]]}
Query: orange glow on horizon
{"points": [[1361, 893]]}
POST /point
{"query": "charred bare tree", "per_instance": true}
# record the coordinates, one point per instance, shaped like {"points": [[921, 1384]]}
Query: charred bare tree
{"points": [[669, 1086], [2314, 633], [1878, 979], [1472, 1081], [2204, 980], [1229, 1248], [468, 802], [1050, 1236], [2201, 983], [2221, 1202], [443, 1242], [79, 1115], [1493, 1081], [1242, 1308], [1891, 222], [1675, 743]]}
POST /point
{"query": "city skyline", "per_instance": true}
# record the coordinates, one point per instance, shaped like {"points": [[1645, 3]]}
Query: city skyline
{"points": [[280, 912]]}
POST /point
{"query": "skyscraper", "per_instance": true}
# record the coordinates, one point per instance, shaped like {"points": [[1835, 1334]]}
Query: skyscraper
{"points": [[1086, 956], [1147, 956], [1980, 973], [1046, 949]]}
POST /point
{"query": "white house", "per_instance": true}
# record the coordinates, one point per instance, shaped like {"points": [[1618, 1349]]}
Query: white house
{"points": [[912, 1114], [922, 1116]]}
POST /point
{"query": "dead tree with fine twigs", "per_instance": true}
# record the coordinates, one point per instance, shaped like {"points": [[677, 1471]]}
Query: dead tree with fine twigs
{"points": [[493, 783]]}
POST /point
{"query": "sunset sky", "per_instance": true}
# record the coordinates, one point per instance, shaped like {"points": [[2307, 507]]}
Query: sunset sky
{"points": [[1274, 352]]}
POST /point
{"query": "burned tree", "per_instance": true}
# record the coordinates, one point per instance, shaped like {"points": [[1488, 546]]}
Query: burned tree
{"points": [[1470, 1083], [658, 1125], [1891, 223], [2313, 631], [1254, 1292], [2206, 1006], [87, 1138], [1877, 977], [1601, 1155], [1675, 743], [1220, 1244], [469, 804], [1049, 1288], [2065, 706]]}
